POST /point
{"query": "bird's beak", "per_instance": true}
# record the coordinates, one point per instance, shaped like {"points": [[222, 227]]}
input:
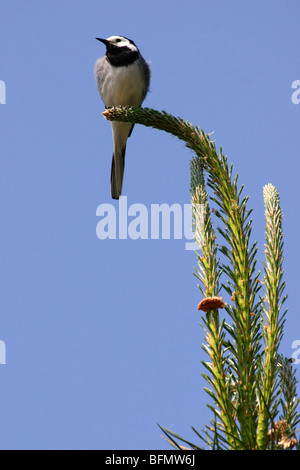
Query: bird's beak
{"points": [[102, 40]]}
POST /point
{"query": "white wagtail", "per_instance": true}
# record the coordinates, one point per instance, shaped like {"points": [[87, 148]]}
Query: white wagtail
{"points": [[123, 78]]}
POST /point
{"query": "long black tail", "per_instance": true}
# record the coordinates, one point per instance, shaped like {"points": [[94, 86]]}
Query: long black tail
{"points": [[117, 174]]}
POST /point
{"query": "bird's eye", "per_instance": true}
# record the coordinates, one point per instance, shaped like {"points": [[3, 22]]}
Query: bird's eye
{"points": [[118, 40]]}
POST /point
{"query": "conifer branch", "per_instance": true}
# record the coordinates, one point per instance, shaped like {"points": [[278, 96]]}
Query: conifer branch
{"points": [[247, 385]]}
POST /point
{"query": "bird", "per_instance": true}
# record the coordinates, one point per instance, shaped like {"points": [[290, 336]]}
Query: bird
{"points": [[123, 79]]}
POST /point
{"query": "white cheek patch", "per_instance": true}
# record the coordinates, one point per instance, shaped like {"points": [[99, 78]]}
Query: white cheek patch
{"points": [[132, 47]]}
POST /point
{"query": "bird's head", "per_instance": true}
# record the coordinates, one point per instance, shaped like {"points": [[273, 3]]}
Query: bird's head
{"points": [[117, 44]]}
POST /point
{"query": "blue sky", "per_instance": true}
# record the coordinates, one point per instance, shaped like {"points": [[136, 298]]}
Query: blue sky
{"points": [[102, 336]]}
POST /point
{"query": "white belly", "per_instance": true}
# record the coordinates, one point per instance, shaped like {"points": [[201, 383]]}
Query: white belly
{"points": [[122, 86]]}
